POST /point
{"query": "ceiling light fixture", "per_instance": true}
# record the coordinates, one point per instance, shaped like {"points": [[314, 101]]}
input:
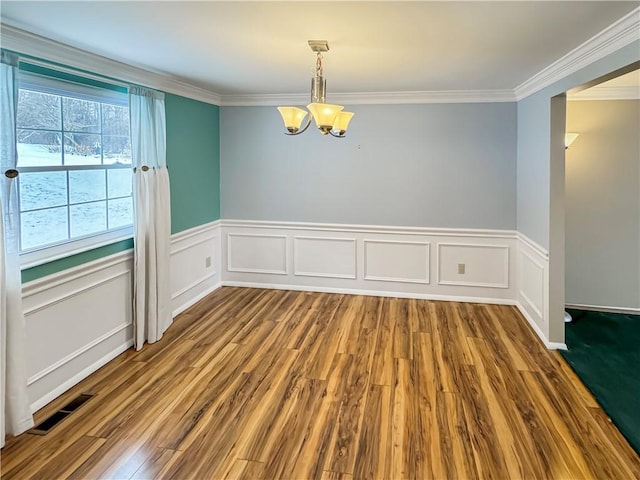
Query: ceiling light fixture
{"points": [[330, 119]]}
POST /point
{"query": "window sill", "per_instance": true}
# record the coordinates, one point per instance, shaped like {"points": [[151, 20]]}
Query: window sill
{"points": [[56, 252]]}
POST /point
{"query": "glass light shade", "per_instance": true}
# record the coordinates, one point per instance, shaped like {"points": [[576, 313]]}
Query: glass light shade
{"points": [[293, 117], [569, 138], [324, 114], [342, 121]]}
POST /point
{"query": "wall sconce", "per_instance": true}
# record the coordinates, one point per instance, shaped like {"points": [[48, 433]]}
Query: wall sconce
{"points": [[569, 138]]}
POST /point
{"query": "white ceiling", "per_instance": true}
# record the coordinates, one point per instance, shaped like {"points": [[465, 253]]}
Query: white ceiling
{"points": [[241, 48]]}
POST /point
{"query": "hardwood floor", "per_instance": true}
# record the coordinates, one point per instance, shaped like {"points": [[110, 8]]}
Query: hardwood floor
{"points": [[266, 384]]}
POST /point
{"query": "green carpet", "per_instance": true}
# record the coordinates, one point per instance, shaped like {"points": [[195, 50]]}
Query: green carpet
{"points": [[604, 350]]}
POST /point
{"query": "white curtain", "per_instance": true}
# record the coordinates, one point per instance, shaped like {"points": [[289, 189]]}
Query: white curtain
{"points": [[152, 216], [15, 412]]}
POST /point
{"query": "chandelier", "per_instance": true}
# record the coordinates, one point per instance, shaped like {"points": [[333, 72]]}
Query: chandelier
{"points": [[330, 119]]}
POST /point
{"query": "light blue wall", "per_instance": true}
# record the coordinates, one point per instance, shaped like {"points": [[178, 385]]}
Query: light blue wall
{"points": [[534, 130], [433, 165]]}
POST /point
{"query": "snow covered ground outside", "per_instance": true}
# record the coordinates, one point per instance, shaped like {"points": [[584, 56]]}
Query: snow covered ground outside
{"points": [[59, 205]]}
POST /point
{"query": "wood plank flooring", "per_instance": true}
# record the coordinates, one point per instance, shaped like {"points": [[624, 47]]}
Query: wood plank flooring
{"points": [[267, 384]]}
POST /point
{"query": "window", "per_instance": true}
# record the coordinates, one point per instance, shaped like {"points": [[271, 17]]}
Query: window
{"points": [[74, 158]]}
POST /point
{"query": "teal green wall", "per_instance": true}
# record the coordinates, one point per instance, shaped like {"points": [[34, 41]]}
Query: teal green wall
{"points": [[75, 260], [193, 158]]}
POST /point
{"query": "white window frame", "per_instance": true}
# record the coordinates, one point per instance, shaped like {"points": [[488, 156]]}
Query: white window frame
{"points": [[50, 252]]}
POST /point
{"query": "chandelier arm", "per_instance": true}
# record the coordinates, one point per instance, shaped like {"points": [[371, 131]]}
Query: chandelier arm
{"points": [[303, 130], [340, 135]]}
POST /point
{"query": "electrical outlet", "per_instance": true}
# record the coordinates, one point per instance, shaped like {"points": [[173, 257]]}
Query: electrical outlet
{"points": [[461, 268], [207, 262]]}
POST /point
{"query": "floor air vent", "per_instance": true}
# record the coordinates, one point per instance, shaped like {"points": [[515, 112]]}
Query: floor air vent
{"points": [[46, 426]]}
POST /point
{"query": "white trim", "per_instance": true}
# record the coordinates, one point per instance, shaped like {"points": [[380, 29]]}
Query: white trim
{"points": [[374, 293], [472, 284], [194, 300], [250, 270], [194, 231], [193, 244], [376, 98], [601, 308], [533, 245], [521, 292], [193, 284], [357, 228], [21, 41], [55, 279], [299, 273], [616, 36], [67, 249], [606, 93], [77, 291], [425, 281], [63, 387], [43, 373], [536, 329]]}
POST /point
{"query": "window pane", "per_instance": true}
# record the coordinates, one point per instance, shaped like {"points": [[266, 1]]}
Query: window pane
{"points": [[119, 181], [115, 120], [120, 212], [42, 190], [38, 110], [81, 149], [43, 227], [88, 218], [86, 186], [37, 148], [81, 115], [117, 149]]}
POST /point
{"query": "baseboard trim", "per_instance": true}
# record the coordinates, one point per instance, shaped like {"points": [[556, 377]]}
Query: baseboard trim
{"points": [[196, 299], [372, 293], [536, 329], [606, 309], [60, 389]]}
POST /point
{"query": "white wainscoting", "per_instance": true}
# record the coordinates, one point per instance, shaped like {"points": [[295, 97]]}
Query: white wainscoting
{"points": [[324, 257], [533, 288], [481, 265], [396, 261], [373, 260], [257, 253], [81, 318], [195, 265], [77, 320]]}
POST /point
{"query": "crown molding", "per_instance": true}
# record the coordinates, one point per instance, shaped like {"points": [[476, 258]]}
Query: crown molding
{"points": [[607, 93], [617, 35], [37, 46], [377, 98]]}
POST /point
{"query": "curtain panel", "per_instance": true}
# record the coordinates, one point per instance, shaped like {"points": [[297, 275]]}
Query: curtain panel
{"points": [[152, 216], [16, 411]]}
